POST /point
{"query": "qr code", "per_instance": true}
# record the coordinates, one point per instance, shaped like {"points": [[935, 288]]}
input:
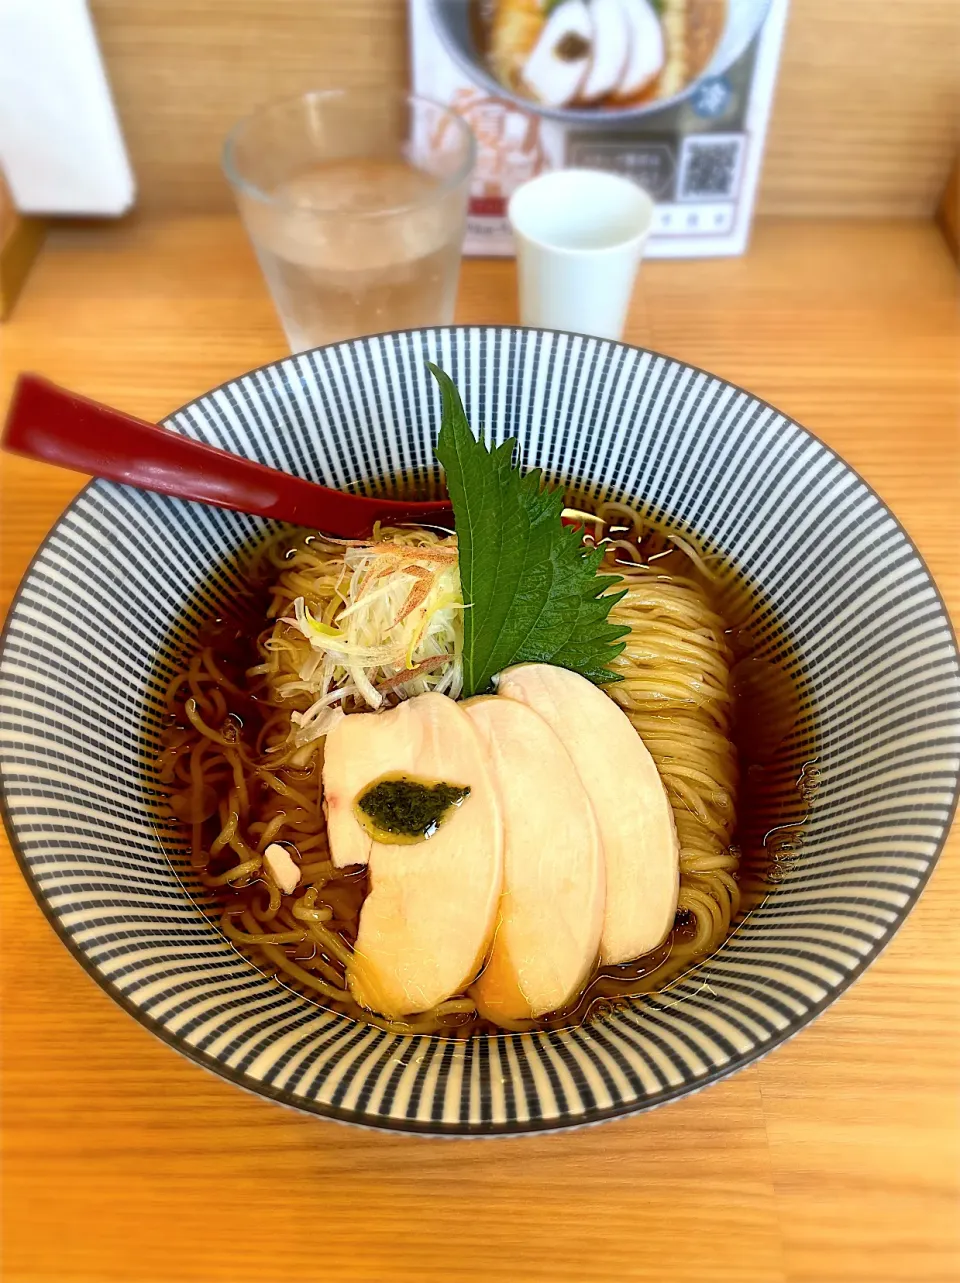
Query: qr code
{"points": [[710, 166]]}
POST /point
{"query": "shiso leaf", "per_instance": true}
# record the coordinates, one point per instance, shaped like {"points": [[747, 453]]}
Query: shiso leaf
{"points": [[531, 590]]}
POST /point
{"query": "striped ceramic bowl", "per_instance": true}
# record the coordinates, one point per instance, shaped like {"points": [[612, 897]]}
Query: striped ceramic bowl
{"points": [[843, 600]]}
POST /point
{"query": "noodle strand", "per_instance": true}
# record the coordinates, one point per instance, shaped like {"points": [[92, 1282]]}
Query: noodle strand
{"points": [[244, 787]]}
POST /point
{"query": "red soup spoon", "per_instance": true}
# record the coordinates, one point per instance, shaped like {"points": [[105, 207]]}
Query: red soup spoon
{"points": [[48, 423]]}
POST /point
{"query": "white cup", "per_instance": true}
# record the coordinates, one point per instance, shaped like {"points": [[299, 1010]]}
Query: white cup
{"points": [[579, 236]]}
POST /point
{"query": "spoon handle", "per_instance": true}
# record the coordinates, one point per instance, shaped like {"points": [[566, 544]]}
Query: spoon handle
{"points": [[49, 423]]}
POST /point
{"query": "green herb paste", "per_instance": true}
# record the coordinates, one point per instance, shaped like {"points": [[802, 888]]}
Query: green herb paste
{"points": [[402, 809]]}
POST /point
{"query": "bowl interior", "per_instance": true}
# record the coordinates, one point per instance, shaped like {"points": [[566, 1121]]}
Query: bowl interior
{"points": [[453, 21], [838, 595]]}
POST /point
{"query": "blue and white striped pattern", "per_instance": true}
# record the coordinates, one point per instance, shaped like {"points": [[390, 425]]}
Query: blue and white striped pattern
{"points": [[841, 594]]}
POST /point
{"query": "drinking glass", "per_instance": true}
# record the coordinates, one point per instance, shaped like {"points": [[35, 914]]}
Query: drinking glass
{"points": [[355, 201]]}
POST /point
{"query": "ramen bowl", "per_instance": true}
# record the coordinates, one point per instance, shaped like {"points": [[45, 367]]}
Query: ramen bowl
{"points": [[454, 21], [839, 598]]}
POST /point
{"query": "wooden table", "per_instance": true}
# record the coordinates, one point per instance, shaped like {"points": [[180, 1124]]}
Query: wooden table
{"points": [[835, 1159]]}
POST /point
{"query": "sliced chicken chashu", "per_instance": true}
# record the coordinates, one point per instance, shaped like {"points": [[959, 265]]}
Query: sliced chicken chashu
{"points": [[610, 50], [633, 813], [551, 909], [361, 748], [647, 52], [427, 921], [562, 57]]}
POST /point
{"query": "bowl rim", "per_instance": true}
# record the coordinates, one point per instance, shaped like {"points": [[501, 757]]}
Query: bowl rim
{"points": [[504, 1128]]}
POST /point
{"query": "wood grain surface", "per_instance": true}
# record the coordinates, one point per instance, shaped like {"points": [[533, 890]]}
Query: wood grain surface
{"points": [[948, 211], [835, 1160], [866, 120]]}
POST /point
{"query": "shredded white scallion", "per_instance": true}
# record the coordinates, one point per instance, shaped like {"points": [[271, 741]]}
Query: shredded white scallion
{"points": [[399, 631]]}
